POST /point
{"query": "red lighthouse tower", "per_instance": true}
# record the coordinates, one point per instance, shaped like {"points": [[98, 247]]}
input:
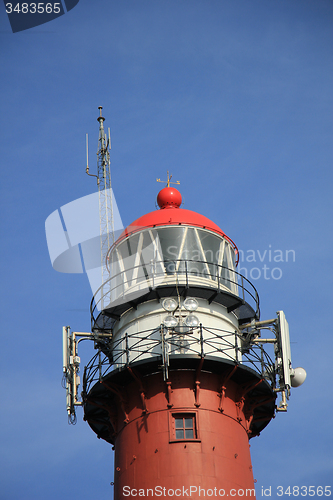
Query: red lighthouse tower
{"points": [[181, 379]]}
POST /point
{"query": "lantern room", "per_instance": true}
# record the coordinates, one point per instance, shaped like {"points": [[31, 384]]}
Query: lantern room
{"points": [[173, 250]]}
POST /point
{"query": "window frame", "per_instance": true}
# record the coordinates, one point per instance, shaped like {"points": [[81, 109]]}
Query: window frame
{"points": [[173, 414]]}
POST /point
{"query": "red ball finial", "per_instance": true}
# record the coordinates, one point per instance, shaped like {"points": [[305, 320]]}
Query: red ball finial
{"points": [[169, 197]]}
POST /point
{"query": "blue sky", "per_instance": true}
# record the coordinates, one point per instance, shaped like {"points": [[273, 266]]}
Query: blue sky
{"points": [[235, 99]]}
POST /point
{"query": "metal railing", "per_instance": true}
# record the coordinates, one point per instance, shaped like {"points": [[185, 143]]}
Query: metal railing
{"points": [[161, 343], [144, 277]]}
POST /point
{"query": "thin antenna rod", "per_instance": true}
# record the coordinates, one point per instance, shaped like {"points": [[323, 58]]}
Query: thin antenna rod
{"points": [[87, 167], [87, 170]]}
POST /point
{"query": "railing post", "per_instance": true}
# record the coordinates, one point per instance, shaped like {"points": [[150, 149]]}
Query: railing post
{"points": [[262, 360], [84, 383], [165, 361], [201, 341], [127, 349], [217, 276], [186, 274], [242, 288], [152, 271], [258, 306], [99, 365], [236, 346]]}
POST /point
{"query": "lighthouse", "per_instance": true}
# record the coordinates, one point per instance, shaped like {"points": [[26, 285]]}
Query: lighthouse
{"points": [[185, 371]]}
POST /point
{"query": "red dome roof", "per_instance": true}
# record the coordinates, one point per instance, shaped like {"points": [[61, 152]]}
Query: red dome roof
{"points": [[173, 217], [169, 200]]}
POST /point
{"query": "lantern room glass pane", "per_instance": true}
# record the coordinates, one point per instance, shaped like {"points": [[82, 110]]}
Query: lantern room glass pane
{"points": [[211, 247], [170, 241], [225, 276], [198, 248]]}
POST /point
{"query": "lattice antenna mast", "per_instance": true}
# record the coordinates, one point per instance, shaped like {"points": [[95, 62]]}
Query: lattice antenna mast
{"points": [[105, 199]]}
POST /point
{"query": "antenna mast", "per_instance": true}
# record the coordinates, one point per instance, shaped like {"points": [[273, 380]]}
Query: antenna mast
{"points": [[105, 198]]}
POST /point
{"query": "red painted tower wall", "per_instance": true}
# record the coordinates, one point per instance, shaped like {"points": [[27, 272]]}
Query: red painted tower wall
{"points": [[148, 453]]}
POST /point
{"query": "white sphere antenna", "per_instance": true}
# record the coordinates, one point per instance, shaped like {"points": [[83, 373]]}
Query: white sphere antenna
{"points": [[297, 376]]}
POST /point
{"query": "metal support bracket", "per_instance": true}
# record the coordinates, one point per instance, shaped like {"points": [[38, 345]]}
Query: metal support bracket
{"points": [[117, 390], [197, 383], [222, 392], [169, 394], [137, 378]]}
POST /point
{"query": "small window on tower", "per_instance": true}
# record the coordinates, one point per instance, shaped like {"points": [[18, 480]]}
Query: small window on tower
{"points": [[183, 427]]}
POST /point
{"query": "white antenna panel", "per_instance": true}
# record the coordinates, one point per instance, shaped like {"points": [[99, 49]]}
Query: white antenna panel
{"points": [[65, 348], [285, 348]]}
